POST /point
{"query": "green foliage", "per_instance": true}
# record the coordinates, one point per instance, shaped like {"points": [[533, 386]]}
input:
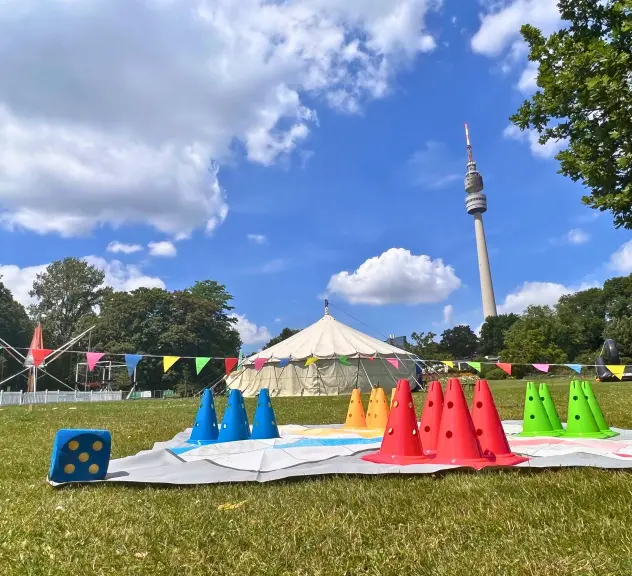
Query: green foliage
{"points": [[15, 328], [459, 342], [154, 321], [425, 347], [585, 98], [284, 335], [583, 313], [493, 330]]}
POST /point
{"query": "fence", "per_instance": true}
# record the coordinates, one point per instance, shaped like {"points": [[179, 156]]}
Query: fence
{"points": [[55, 396]]}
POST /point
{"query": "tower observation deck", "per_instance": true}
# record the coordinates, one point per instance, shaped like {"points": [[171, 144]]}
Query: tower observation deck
{"points": [[476, 205]]}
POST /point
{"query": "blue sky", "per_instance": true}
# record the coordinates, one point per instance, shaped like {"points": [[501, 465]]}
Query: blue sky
{"points": [[338, 157]]}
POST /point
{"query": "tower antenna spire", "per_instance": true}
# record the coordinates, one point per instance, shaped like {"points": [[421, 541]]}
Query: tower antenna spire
{"points": [[469, 145]]}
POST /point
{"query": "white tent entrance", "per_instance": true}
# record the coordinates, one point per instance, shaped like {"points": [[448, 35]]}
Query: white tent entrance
{"points": [[326, 358]]}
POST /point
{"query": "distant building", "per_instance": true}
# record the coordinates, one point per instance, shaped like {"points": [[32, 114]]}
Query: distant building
{"points": [[399, 341]]}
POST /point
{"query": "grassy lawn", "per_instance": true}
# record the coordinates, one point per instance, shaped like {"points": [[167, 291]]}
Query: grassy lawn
{"points": [[488, 523]]}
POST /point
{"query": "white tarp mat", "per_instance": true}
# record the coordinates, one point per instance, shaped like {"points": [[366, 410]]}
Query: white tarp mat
{"points": [[321, 450]]}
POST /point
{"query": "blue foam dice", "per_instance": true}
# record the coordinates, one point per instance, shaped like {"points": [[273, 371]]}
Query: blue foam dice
{"points": [[80, 455]]}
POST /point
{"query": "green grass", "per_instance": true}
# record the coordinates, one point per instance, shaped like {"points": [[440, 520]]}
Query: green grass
{"points": [[490, 523]]}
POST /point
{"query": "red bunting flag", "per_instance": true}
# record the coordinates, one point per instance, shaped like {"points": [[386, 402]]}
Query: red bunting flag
{"points": [[505, 367], [260, 363], [229, 364], [39, 354]]}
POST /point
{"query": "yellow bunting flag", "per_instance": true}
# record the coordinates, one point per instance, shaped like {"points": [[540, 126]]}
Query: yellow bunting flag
{"points": [[310, 360], [616, 369], [448, 363], [169, 361]]}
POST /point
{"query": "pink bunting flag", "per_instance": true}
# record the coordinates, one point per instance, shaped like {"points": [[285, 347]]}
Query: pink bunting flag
{"points": [[260, 363], [541, 367], [505, 367], [394, 362], [92, 358]]}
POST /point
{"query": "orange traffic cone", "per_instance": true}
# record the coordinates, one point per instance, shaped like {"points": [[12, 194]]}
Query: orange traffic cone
{"points": [[379, 413], [401, 444], [489, 428], [355, 414], [431, 418], [457, 443], [369, 408], [393, 395]]}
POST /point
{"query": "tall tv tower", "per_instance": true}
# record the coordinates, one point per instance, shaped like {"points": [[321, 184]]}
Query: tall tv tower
{"points": [[476, 204]]}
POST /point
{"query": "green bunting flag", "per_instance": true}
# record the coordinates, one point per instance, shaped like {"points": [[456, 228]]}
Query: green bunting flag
{"points": [[475, 365], [200, 363], [344, 360]]}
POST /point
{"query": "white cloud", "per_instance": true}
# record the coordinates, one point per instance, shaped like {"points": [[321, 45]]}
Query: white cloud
{"points": [[144, 94], [621, 260], [124, 277], [117, 247], [548, 150], [257, 238], [249, 332], [448, 314], [577, 236], [537, 294], [164, 248], [527, 83], [396, 276], [433, 167]]}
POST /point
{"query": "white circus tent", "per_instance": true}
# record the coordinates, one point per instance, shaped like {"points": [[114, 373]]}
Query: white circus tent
{"points": [[326, 358]]}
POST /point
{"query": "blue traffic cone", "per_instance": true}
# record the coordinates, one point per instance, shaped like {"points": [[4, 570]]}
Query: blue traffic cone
{"points": [[235, 421], [264, 425], [205, 425]]}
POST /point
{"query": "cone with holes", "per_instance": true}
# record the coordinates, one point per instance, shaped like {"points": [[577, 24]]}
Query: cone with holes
{"points": [[596, 409], [369, 408], [549, 407], [401, 444], [355, 413], [205, 426], [489, 428], [264, 424], [536, 421], [379, 414], [457, 443], [235, 421], [581, 422], [431, 418]]}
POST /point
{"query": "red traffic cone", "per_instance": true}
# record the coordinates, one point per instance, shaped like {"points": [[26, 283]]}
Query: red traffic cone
{"points": [[401, 444], [489, 428], [431, 418], [457, 443]]}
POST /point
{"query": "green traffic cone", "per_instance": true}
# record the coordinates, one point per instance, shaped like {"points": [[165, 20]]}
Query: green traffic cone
{"points": [[549, 406], [596, 410], [536, 422], [581, 422]]}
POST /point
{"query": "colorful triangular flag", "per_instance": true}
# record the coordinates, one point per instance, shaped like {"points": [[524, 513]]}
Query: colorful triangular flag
{"points": [[200, 362], [344, 360], [541, 367], [616, 369], [576, 367], [92, 358], [169, 361], [310, 360], [39, 354], [504, 366], [229, 364], [283, 362], [260, 363], [475, 365], [131, 361], [448, 363], [394, 362]]}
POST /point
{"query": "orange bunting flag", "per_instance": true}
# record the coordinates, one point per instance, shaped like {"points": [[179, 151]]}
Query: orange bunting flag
{"points": [[229, 364], [168, 362], [505, 367], [310, 360]]}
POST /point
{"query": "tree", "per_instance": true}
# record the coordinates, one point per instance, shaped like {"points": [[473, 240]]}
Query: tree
{"points": [[15, 328], [585, 99], [213, 292], [459, 342], [424, 346], [584, 313], [617, 293], [155, 321], [284, 335], [534, 338], [66, 292], [492, 339]]}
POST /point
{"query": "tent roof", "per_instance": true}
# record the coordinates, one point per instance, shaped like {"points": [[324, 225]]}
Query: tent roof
{"points": [[328, 338]]}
